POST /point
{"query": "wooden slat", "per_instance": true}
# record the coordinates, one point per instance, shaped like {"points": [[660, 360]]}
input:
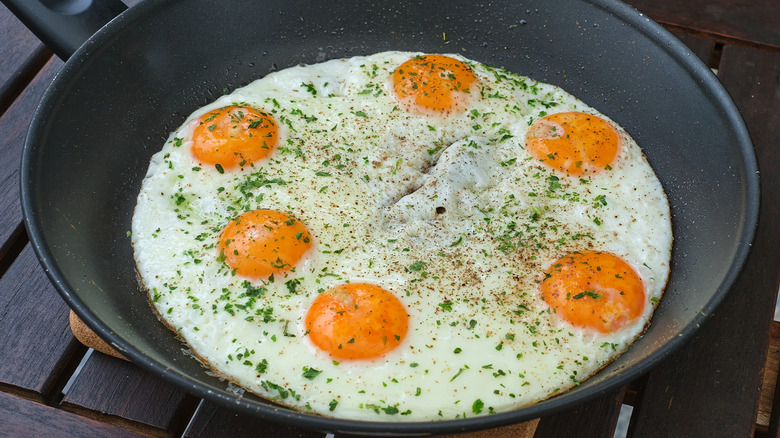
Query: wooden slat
{"points": [[13, 129], [745, 22], [759, 102], [24, 418], [22, 56], [36, 345], [725, 360], [117, 392], [753, 79], [769, 384], [212, 421], [596, 418]]}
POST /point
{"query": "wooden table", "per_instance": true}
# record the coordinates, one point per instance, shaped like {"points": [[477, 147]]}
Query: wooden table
{"points": [[720, 384]]}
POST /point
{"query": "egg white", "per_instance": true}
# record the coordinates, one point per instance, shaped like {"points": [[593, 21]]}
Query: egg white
{"points": [[451, 214]]}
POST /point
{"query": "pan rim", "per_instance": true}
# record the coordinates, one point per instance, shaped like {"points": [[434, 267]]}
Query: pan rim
{"points": [[626, 14]]}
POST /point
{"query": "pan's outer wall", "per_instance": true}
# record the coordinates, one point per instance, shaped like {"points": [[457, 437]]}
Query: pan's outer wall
{"points": [[121, 94]]}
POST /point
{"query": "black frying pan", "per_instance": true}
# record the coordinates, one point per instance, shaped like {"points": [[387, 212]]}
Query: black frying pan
{"points": [[135, 80]]}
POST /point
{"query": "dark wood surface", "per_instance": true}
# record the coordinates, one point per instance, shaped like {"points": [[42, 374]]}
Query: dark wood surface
{"points": [[720, 384], [738, 22]]}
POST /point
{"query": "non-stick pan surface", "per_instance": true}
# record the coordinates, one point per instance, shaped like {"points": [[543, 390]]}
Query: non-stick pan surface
{"points": [[120, 95]]}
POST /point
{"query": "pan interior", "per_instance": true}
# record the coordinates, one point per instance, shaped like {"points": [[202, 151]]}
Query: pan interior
{"points": [[121, 94]]}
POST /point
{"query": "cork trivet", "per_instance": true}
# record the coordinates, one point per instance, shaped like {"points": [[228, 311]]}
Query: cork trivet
{"points": [[521, 430], [86, 336]]}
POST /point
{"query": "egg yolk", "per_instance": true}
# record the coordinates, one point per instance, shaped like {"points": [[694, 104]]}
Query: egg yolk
{"points": [[234, 136], [259, 243], [573, 143], [356, 321], [435, 83], [594, 290]]}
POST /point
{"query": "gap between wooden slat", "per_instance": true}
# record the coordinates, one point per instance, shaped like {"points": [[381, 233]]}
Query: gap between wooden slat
{"points": [[714, 61], [193, 418], [75, 374]]}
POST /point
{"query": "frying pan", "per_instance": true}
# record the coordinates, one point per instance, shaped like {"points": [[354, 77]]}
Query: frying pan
{"points": [[136, 79]]}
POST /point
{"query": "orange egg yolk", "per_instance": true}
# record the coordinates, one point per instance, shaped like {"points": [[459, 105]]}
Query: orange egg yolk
{"points": [[234, 136], [259, 243], [594, 290], [573, 143], [435, 83], [356, 321]]}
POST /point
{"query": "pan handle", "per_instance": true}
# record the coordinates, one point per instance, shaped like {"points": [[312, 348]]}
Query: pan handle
{"points": [[64, 25]]}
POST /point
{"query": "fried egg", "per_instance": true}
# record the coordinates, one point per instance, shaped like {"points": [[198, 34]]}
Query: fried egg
{"points": [[402, 237]]}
